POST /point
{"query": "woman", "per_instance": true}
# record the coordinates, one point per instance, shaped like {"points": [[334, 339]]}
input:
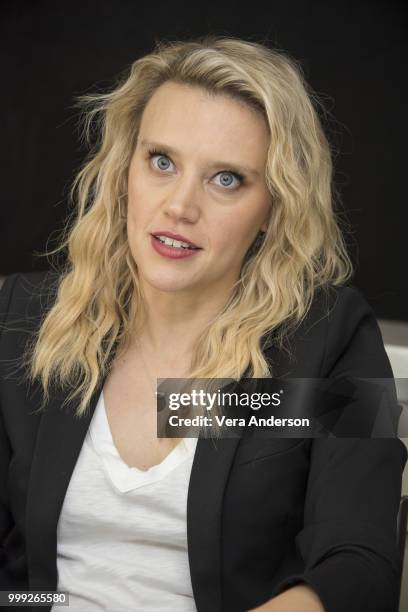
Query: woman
{"points": [[205, 245]]}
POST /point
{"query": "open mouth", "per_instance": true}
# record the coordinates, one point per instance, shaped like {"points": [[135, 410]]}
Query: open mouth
{"points": [[175, 244], [175, 250]]}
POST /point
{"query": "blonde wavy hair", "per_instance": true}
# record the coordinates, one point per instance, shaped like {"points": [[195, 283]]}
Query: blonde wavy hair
{"points": [[98, 293]]}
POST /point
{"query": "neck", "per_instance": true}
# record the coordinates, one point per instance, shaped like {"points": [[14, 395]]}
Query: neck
{"points": [[173, 321]]}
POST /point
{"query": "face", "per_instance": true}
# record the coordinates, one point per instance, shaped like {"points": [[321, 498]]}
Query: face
{"points": [[191, 187]]}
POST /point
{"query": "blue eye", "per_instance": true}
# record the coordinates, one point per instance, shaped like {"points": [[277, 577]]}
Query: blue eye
{"points": [[239, 177], [154, 153]]}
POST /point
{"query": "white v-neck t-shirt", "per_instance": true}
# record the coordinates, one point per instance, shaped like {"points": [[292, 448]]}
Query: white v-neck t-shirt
{"points": [[122, 532]]}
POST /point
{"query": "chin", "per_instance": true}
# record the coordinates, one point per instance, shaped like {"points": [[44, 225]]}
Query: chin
{"points": [[169, 283]]}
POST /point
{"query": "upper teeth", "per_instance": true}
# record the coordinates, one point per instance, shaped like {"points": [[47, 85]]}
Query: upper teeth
{"points": [[174, 243]]}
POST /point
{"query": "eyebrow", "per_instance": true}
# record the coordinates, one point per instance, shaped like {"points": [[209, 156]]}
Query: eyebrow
{"points": [[232, 166]]}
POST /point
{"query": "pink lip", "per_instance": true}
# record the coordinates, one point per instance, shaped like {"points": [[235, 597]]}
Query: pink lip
{"points": [[171, 252], [174, 237]]}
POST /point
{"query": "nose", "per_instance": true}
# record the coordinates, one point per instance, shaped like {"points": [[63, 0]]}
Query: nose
{"points": [[182, 200]]}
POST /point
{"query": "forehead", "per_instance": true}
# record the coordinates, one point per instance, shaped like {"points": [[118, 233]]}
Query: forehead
{"points": [[172, 97], [190, 117]]}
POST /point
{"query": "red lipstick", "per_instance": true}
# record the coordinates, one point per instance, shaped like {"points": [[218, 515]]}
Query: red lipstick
{"points": [[172, 252]]}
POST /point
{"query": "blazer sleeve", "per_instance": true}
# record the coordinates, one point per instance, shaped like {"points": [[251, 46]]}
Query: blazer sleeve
{"points": [[6, 521], [348, 539]]}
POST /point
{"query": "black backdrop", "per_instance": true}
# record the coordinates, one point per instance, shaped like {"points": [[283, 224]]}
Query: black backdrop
{"points": [[353, 53]]}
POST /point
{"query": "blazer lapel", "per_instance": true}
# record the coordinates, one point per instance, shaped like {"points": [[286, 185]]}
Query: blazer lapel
{"points": [[59, 441], [209, 475]]}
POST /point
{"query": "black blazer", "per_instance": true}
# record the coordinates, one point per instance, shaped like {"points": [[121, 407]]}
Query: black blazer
{"points": [[262, 514]]}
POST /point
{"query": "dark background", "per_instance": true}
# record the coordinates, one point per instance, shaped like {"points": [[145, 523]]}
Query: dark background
{"points": [[353, 54]]}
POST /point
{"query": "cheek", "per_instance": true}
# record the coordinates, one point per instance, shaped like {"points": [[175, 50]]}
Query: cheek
{"points": [[137, 188], [233, 233], [139, 203], [135, 194]]}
